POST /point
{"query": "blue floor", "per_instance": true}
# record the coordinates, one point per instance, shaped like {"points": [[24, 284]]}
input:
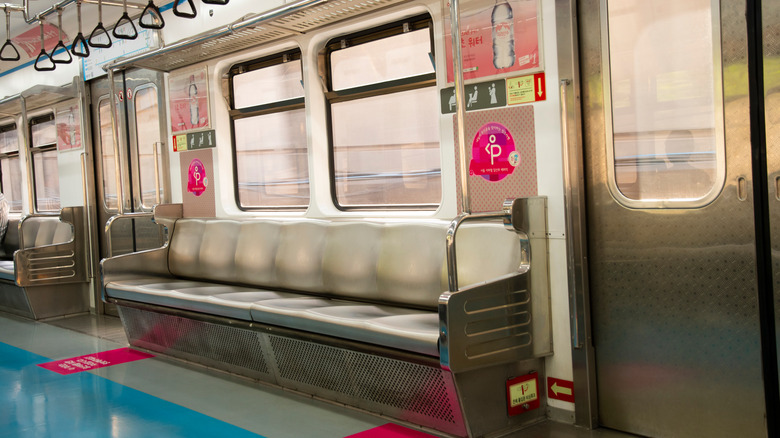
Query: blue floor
{"points": [[146, 398], [40, 403]]}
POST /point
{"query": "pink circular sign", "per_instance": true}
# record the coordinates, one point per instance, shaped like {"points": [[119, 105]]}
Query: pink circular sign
{"points": [[493, 153], [197, 180]]}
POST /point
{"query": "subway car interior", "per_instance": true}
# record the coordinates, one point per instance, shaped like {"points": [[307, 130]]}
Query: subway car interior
{"points": [[390, 218]]}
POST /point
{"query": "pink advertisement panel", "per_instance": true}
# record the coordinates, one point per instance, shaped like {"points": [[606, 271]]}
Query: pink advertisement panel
{"points": [[502, 38], [500, 156]]}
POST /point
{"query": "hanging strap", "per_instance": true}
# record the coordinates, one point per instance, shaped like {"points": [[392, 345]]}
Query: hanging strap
{"points": [[98, 29], [80, 41], [216, 2], [43, 56], [155, 18], [192, 14], [60, 45], [8, 46], [123, 20]]}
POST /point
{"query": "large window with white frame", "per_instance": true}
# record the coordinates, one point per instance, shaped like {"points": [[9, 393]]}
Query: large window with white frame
{"points": [[269, 133], [43, 153], [10, 170], [384, 117]]}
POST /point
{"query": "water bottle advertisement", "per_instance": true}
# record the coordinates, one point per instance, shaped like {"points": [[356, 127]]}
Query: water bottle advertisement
{"points": [[502, 38]]}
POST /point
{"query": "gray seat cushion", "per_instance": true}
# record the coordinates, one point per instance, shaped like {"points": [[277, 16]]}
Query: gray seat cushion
{"points": [[389, 326], [7, 270], [393, 327], [211, 298]]}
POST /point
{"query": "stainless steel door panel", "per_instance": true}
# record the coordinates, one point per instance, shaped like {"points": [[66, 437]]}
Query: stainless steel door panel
{"points": [[771, 39], [675, 310]]}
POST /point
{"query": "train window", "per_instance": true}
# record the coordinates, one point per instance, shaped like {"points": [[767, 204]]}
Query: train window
{"points": [[269, 133], [43, 154], [666, 120], [147, 116], [385, 118], [11, 173], [107, 152]]}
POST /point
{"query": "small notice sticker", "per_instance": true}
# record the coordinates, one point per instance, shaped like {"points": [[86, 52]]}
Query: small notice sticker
{"points": [[526, 89], [522, 393]]}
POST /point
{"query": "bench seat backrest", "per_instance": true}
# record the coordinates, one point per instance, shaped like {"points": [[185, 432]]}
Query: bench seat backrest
{"points": [[397, 263]]}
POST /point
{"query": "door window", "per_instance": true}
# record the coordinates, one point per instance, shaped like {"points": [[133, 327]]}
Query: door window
{"points": [[666, 144]]}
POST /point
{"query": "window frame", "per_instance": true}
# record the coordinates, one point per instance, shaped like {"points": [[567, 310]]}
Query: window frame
{"points": [[11, 127], [158, 166], [426, 80], [234, 113], [38, 150], [718, 128]]}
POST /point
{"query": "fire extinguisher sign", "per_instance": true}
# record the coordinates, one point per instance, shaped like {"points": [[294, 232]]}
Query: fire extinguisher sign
{"points": [[522, 393]]}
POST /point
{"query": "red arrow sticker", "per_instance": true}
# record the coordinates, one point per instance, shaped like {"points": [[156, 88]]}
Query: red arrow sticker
{"points": [[559, 389]]}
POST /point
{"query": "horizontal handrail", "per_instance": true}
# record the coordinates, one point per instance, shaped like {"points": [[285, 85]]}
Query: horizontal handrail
{"points": [[511, 209]]}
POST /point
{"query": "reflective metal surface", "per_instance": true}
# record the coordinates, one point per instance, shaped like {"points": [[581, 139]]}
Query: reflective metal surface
{"points": [[771, 37], [675, 317]]}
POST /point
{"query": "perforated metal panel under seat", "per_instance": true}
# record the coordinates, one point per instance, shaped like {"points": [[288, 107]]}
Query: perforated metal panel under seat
{"points": [[232, 349], [420, 394]]}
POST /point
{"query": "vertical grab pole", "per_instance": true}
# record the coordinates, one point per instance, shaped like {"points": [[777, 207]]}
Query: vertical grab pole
{"points": [[28, 159], [120, 190], [457, 69]]}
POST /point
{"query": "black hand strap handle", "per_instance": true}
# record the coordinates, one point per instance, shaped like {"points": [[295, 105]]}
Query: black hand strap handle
{"points": [[124, 19], [6, 47], [8, 44], [151, 10], [43, 56], [95, 33], [98, 29], [192, 14], [216, 2], [60, 45], [80, 41]]}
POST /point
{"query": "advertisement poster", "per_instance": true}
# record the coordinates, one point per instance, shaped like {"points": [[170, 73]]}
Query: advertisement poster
{"points": [[501, 38], [68, 127], [189, 100]]}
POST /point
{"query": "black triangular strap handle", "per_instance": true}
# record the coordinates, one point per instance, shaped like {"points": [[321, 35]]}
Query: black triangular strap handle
{"points": [[122, 21], [42, 56], [179, 13], [14, 57], [95, 32], [80, 41], [216, 2], [151, 10], [60, 45]]}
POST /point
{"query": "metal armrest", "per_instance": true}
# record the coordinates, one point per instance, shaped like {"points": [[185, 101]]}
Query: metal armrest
{"points": [[486, 324], [505, 319], [58, 263], [153, 262]]}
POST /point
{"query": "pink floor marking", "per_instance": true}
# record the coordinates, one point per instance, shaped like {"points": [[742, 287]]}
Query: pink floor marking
{"points": [[95, 360], [391, 430]]}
